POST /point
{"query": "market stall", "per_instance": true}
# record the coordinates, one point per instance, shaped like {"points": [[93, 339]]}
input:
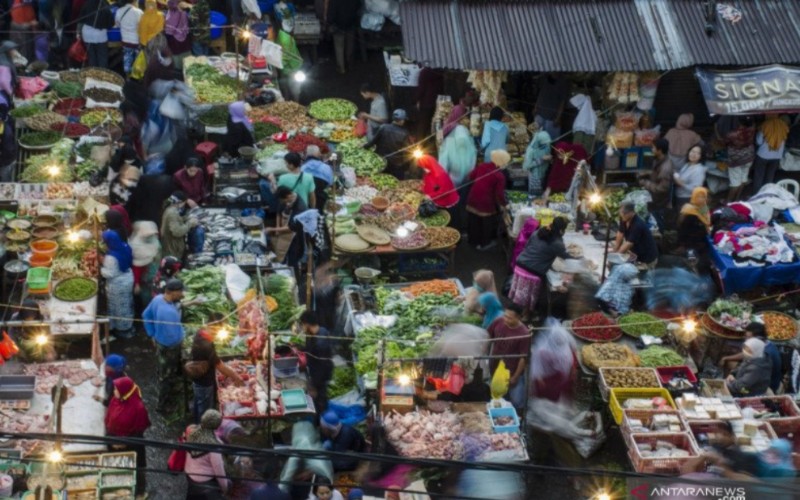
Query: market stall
{"points": [[28, 404]]}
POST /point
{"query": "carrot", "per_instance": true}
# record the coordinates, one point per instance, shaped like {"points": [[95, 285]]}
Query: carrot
{"points": [[435, 287]]}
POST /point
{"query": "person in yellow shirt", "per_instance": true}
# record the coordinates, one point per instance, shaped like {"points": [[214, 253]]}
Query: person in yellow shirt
{"points": [[151, 24]]}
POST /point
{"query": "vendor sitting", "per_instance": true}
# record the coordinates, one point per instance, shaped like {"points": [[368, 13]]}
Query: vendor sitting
{"points": [[240, 129], [752, 377], [341, 438], [634, 236], [757, 330]]}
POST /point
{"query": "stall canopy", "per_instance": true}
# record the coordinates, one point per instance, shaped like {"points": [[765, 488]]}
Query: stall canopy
{"points": [[769, 89], [612, 35]]}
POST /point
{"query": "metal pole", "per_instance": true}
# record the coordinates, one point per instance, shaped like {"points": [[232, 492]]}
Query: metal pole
{"points": [[309, 271], [605, 248], [267, 353]]}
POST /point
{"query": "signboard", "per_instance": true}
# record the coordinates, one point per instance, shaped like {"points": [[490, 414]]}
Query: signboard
{"points": [[769, 89]]}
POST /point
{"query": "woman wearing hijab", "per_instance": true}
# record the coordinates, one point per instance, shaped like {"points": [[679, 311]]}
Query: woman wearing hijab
{"points": [[8, 143], [436, 184], [117, 220], [752, 376], [205, 471], [151, 23], [146, 251], [458, 157], [127, 417], [176, 27], [585, 124], [776, 466], [482, 282], [616, 293], [114, 369], [123, 185], [537, 157], [175, 225], [694, 222], [117, 272], [681, 138], [487, 198], [553, 364], [491, 307], [495, 134], [771, 141], [191, 179], [96, 19], [240, 129]]}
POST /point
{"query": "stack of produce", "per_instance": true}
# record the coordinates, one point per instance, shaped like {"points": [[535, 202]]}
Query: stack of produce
{"points": [[250, 399], [656, 356], [637, 324], [699, 408], [600, 355], [281, 289], [332, 109], [292, 116], [732, 314], [37, 167], [210, 85], [596, 327], [209, 282], [365, 162], [518, 135]]}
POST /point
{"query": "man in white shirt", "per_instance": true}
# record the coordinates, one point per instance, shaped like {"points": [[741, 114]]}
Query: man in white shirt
{"points": [[378, 112], [127, 18]]}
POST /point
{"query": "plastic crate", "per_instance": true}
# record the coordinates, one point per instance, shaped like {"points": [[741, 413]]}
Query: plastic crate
{"points": [[646, 417], [697, 427], [605, 388], [790, 431], [38, 278], [787, 407], [504, 412], [619, 396], [106, 475], [667, 466], [715, 388], [633, 158]]}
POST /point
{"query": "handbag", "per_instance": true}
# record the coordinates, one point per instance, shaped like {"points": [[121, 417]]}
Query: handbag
{"points": [[195, 369], [177, 459], [77, 51], [139, 66]]}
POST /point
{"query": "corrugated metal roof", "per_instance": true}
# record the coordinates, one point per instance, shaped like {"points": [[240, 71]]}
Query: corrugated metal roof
{"points": [[585, 35]]}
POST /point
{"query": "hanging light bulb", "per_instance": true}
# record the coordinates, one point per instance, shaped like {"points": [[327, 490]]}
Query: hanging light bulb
{"points": [[41, 339], [418, 154], [689, 325], [55, 456], [53, 170], [595, 198], [246, 34], [403, 379], [299, 77], [223, 334], [73, 236]]}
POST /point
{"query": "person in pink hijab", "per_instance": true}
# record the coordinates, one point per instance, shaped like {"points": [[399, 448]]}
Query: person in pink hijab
{"points": [[436, 183], [176, 28]]}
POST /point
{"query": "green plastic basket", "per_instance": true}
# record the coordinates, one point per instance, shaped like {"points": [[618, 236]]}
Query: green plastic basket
{"points": [[38, 278]]}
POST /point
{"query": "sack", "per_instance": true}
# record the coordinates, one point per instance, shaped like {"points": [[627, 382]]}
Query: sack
{"points": [[177, 461], [280, 244], [77, 51], [360, 129], [139, 66], [195, 369]]}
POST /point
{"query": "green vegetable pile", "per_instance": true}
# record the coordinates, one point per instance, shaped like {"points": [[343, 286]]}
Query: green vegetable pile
{"points": [[68, 89], [42, 138], [210, 85], [209, 282], [722, 306], [75, 289], [655, 356], [280, 288], [332, 109], [215, 117], [267, 152], [363, 161], [264, 130], [26, 111], [637, 324], [343, 381], [384, 181], [439, 219], [517, 196], [612, 198], [36, 166]]}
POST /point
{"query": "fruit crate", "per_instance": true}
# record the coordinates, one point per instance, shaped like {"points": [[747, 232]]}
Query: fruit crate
{"points": [[646, 417], [605, 388], [784, 405], [790, 431], [619, 396], [661, 465]]}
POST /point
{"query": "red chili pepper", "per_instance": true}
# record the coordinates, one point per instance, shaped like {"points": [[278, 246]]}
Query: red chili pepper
{"points": [[596, 326]]}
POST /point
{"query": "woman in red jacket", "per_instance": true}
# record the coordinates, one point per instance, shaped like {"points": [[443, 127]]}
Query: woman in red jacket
{"points": [[486, 199], [436, 183], [128, 417]]}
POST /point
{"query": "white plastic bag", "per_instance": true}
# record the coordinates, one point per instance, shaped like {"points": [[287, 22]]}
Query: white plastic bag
{"points": [[790, 162], [171, 107], [251, 6], [236, 281]]}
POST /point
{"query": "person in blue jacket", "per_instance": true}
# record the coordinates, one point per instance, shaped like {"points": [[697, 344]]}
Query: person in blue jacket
{"points": [[341, 438], [495, 134]]}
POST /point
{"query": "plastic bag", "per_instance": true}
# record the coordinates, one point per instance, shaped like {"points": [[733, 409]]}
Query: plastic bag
{"points": [[171, 107], [77, 51], [29, 87], [640, 199], [139, 66], [360, 128], [372, 22], [500, 381], [646, 137]]}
